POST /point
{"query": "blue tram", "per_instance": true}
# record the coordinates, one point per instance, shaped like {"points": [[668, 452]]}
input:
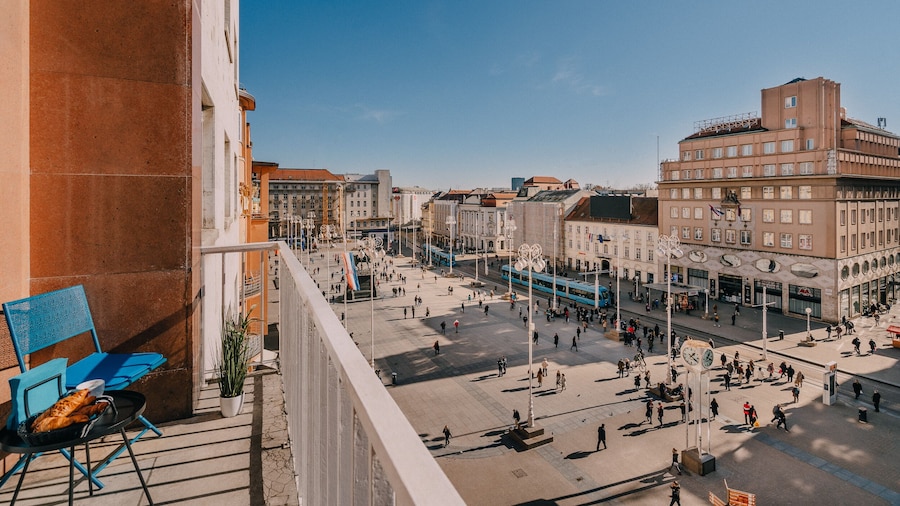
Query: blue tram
{"points": [[566, 288], [438, 255]]}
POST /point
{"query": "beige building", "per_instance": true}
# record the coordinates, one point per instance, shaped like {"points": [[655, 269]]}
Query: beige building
{"points": [[800, 200]]}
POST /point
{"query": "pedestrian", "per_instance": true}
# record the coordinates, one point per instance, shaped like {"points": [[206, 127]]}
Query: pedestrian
{"points": [[637, 382], [753, 417], [871, 346], [404, 313], [578, 332], [790, 373], [462, 306], [558, 380], [647, 378], [456, 326], [437, 347], [556, 340], [727, 380], [447, 436], [677, 467], [828, 333], [676, 493], [443, 327], [714, 408], [796, 393], [876, 400], [601, 436], [574, 343], [733, 317], [779, 417], [540, 377], [782, 369], [683, 409], [413, 310], [747, 412], [621, 367], [737, 309], [504, 363], [857, 388], [516, 417], [649, 412], [799, 380], [856, 344], [723, 359], [659, 411], [534, 337], [525, 321], [716, 320], [486, 308], [563, 387], [499, 367], [544, 366]]}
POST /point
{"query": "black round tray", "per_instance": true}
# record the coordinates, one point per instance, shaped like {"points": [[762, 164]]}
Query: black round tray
{"points": [[74, 431]]}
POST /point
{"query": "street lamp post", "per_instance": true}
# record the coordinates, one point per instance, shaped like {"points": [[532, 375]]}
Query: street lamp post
{"points": [[669, 245], [477, 239], [509, 229], [310, 225], [372, 246], [450, 222], [619, 238], [808, 333], [490, 233], [529, 257], [706, 291]]}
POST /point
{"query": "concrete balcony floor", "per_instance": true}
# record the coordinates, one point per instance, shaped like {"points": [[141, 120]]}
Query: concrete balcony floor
{"points": [[206, 459]]}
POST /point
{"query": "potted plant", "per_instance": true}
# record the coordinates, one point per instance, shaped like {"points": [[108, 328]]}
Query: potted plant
{"points": [[233, 363]]}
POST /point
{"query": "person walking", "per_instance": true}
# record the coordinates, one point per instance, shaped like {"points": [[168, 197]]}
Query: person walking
{"points": [[790, 373], [659, 412], [540, 378], [556, 340], [443, 327], [578, 332], [675, 463], [727, 380], [857, 388], [647, 378], [534, 337], [780, 418], [733, 317], [545, 365], [517, 418], [676, 493], [683, 409], [447, 436], [574, 343], [714, 408], [796, 393], [437, 347], [876, 400], [499, 367], [747, 412], [856, 344], [456, 326], [649, 412], [799, 380], [601, 436], [563, 388], [716, 320], [871, 346], [637, 382]]}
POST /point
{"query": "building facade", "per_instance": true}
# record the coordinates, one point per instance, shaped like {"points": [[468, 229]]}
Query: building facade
{"points": [[799, 201], [539, 220]]}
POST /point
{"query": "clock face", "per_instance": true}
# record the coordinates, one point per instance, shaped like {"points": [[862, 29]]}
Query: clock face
{"points": [[690, 356], [707, 361]]}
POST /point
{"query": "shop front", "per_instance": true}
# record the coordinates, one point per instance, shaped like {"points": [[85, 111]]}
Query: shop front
{"points": [[730, 288]]}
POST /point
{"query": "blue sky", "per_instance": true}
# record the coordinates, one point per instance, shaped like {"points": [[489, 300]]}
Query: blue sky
{"points": [[465, 94]]}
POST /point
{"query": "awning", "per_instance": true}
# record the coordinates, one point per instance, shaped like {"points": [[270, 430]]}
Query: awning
{"points": [[677, 288]]}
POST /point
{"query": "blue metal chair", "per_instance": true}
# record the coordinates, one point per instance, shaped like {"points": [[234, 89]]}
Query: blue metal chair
{"points": [[50, 318]]}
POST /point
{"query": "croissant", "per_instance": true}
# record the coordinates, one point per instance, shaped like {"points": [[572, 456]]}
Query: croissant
{"points": [[91, 409], [57, 422], [64, 407]]}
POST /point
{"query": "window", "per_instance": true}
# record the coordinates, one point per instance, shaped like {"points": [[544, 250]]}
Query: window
{"points": [[698, 173], [686, 193], [686, 174], [768, 192], [717, 153], [810, 144], [731, 151], [786, 192], [685, 232], [880, 215], [675, 175], [804, 241], [769, 170], [746, 214], [790, 102], [730, 236], [787, 240], [685, 212], [806, 168], [787, 146], [769, 239], [717, 173], [853, 242], [746, 237], [747, 171], [787, 169], [790, 123], [715, 235], [673, 193], [673, 212], [673, 231], [698, 233], [698, 213], [787, 216], [730, 214], [698, 193], [843, 217], [717, 193], [747, 150], [804, 192], [862, 217], [804, 216], [731, 172], [843, 242], [686, 156], [698, 154], [853, 217], [768, 148], [637, 253]]}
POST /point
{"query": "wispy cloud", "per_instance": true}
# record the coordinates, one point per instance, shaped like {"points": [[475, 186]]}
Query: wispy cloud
{"points": [[569, 74], [380, 116]]}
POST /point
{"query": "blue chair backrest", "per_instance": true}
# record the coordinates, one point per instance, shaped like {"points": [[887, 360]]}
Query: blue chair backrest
{"points": [[49, 318]]}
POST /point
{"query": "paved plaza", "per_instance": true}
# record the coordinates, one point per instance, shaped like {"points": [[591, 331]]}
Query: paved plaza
{"points": [[828, 455]]}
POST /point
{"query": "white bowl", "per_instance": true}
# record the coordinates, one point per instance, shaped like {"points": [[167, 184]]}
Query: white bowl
{"points": [[95, 386]]}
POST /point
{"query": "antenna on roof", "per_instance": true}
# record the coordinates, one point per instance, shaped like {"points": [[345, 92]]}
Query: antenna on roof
{"points": [[882, 122]]}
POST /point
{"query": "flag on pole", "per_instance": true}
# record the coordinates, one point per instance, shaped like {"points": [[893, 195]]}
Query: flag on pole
{"points": [[716, 210], [350, 269], [599, 238]]}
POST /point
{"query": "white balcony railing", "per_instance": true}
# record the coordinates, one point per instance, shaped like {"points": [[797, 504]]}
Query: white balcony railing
{"points": [[350, 442]]}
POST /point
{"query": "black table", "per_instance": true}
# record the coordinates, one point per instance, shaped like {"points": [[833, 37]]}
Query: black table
{"points": [[129, 406]]}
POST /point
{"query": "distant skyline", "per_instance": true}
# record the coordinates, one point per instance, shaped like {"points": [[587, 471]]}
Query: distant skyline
{"points": [[466, 94]]}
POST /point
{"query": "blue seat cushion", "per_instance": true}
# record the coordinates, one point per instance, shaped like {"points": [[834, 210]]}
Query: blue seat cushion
{"points": [[118, 370], [36, 390]]}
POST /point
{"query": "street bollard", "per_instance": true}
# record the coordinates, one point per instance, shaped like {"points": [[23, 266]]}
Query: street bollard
{"points": [[780, 335], [393, 378]]}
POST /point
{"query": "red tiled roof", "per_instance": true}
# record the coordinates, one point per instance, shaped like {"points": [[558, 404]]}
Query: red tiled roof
{"points": [[304, 175], [543, 180]]}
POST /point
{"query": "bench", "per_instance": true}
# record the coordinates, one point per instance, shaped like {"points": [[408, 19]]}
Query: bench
{"points": [[51, 318], [668, 397]]}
